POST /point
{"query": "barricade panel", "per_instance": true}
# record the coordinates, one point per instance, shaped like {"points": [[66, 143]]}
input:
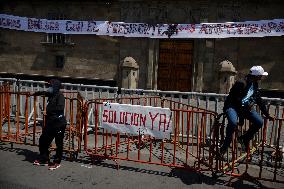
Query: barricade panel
{"points": [[184, 148], [263, 160], [196, 136], [22, 121], [13, 120]]}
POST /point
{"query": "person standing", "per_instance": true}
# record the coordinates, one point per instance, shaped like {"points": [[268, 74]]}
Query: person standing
{"points": [[239, 106], [55, 125]]}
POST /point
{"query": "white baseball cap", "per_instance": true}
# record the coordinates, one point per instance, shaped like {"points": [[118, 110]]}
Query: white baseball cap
{"points": [[257, 70]]}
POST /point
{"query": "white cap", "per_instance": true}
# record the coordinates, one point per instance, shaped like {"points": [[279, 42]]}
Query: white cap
{"points": [[257, 70]]}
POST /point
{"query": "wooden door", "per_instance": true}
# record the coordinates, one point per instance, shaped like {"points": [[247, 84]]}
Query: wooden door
{"points": [[175, 65]]}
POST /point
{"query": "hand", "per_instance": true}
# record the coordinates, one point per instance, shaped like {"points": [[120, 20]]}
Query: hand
{"points": [[271, 118]]}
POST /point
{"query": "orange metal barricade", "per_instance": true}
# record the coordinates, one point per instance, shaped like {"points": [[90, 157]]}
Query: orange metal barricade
{"points": [[263, 159], [5, 99], [186, 147], [12, 125], [196, 136], [22, 118], [74, 114]]}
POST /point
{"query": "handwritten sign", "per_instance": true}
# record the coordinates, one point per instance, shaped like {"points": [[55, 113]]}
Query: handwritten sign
{"points": [[135, 119], [261, 28]]}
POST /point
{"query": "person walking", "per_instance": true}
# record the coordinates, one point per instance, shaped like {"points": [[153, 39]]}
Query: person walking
{"points": [[55, 125], [239, 106]]}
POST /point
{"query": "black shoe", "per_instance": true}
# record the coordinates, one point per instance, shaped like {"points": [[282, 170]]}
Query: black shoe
{"points": [[244, 143]]}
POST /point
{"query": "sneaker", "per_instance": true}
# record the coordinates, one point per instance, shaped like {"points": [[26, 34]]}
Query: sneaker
{"points": [[244, 144], [54, 166], [40, 163]]}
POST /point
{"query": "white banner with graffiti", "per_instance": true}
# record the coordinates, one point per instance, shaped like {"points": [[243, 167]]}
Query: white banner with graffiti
{"points": [[137, 120], [204, 30]]}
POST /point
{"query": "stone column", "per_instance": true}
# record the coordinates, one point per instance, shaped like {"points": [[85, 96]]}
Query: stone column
{"points": [[130, 73], [227, 73], [150, 66], [199, 77]]}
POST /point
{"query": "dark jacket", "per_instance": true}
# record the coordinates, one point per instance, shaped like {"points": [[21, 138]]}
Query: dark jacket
{"points": [[55, 104], [238, 92]]}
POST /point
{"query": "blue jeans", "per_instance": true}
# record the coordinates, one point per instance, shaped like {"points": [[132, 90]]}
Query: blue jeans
{"points": [[232, 117]]}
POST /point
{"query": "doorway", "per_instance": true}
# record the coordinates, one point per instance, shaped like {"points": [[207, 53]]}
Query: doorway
{"points": [[175, 65]]}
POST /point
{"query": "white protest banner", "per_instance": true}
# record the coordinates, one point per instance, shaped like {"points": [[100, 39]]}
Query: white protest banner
{"points": [[260, 28], [135, 119]]}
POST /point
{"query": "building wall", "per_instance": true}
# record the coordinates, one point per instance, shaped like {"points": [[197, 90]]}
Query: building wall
{"points": [[90, 57], [100, 57], [245, 52]]}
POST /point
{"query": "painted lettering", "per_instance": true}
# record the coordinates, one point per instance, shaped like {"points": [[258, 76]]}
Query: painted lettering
{"points": [[143, 120], [162, 121], [34, 24], [38, 24], [9, 22], [109, 26], [105, 117], [169, 121], [110, 119], [126, 118], [121, 117], [135, 119], [115, 118], [153, 118], [160, 29], [76, 26], [126, 28], [92, 26]]}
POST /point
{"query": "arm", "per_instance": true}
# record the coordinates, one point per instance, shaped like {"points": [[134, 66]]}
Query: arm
{"points": [[260, 103]]}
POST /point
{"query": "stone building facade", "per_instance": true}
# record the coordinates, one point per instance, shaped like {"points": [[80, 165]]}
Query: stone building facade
{"points": [[100, 57]]}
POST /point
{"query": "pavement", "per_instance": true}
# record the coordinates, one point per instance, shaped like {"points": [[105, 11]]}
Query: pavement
{"points": [[18, 172]]}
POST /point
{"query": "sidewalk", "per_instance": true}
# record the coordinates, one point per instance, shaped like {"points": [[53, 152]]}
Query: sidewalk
{"points": [[17, 172]]}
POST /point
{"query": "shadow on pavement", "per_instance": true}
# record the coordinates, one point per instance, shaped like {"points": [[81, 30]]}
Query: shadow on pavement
{"points": [[133, 169], [188, 177], [29, 155]]}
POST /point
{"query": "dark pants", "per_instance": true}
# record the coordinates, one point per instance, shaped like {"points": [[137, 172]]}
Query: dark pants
{"points": [[232, 116], [48, 134]]}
